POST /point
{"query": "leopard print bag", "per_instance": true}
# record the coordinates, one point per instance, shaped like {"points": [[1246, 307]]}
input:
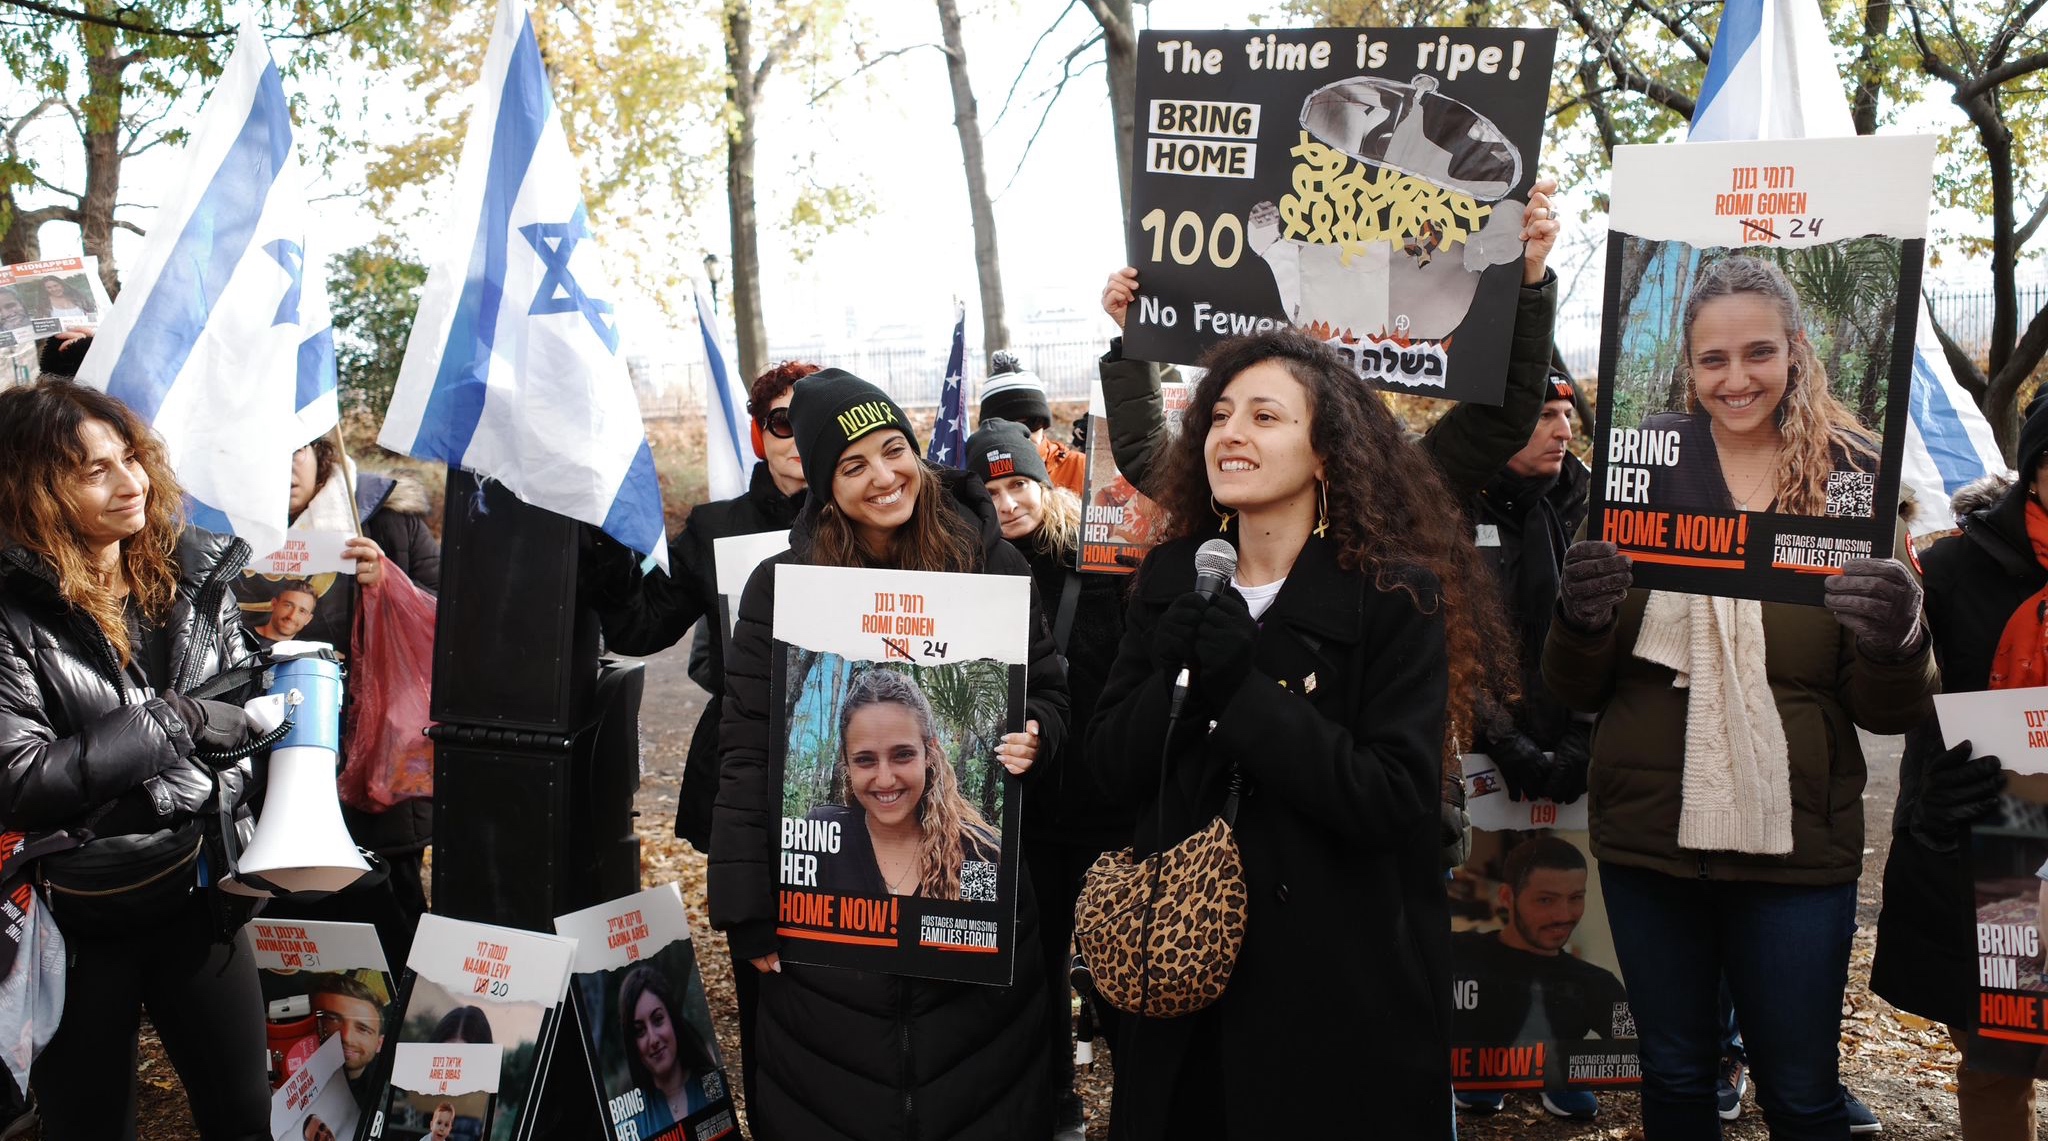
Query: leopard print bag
{"points": [[1161, 934]]}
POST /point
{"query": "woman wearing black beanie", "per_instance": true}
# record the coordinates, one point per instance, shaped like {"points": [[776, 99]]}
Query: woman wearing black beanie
{"points": [[855, 1054]]}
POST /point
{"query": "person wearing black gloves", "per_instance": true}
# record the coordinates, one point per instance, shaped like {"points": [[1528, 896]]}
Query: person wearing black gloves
{"points": [[111, 614], [1522, 523], [1323, 677], [646, 614], [1726, 813], [859, 1055], [1986, 591]]}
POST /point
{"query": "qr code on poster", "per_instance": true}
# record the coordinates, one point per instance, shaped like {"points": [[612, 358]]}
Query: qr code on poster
{"points": [[1624, 1021], [1850, 494], [977, 880]]}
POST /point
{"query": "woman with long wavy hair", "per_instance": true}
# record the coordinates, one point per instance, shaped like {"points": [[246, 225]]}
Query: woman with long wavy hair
{"points": [[963, 1060], [666, 1058], [1761, 430], [1324, 680], [906, 829], [111, 613]]}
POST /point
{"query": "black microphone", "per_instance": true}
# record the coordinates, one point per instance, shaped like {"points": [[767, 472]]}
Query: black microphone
{"points": [[1215, 563]]}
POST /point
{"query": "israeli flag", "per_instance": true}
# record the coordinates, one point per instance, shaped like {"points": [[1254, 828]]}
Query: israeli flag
{"points": [[728, 434], [221, 339], [1772, 76], [513, 368]]}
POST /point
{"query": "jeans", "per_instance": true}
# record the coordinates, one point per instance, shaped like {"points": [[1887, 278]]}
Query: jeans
{"points": [[1784, 950]]}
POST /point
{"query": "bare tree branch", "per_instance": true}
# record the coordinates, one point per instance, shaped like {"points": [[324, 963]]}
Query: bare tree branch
{"points": [[130, 226], [15, 129], [1030, 57], [2026, 233], [194, 33], [1067, 73], [1607, 43], [892, 53], [1122, 37], [777, 50], [2025, 65], [1702, 50], [1960, 362]]}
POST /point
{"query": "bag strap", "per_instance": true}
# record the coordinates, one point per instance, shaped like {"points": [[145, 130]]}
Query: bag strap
{"points": [[226, 680], [1063, 625]]}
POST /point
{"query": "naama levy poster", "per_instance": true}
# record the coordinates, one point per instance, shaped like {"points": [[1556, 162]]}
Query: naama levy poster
{"points": [[890, 693]]}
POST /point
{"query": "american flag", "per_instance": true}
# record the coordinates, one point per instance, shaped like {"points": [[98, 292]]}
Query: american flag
{"points": [[949, 434]]}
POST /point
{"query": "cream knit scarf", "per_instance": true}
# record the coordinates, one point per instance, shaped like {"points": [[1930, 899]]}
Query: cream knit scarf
{"points": [[1738, 768]]}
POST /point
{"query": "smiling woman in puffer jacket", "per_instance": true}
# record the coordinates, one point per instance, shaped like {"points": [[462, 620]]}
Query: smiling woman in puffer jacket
{"points": [[110, 612]]}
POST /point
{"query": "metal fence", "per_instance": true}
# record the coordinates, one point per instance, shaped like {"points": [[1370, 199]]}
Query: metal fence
{"points": [[914, 374]]}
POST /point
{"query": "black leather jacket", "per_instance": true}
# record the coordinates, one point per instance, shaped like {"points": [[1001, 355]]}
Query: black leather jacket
{"points": [[76, 733]]}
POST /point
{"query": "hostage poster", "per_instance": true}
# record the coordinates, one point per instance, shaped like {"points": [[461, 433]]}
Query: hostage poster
{"points": [[1756, 359], [2009, 874], [1119, 523], [1363, 185], [1537, 1001], [890, 693]]}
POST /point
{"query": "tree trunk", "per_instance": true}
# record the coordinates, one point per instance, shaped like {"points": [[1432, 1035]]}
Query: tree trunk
{"points": [[749, 326], [1877, 20], [995, 333], [101, 129], [1120, 47], [23, 240]]}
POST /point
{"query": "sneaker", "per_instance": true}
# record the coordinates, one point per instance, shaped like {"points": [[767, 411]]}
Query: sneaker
{"points": [[1862, 1122], [1481, 1102], [1577, 1104], [1733, 1084]]}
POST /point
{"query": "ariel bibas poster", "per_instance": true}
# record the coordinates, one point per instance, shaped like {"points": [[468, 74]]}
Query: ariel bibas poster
{"points": [[890, 693], [1756, 359], [1363, 185]]}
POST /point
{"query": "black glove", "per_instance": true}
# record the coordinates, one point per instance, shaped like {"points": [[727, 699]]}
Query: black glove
{"points": [[1574, 758], [1223, 649], [1954, 791], [1173, 636], [1878, 601], [608, 571], [214, 726], [1522, 765], [1595, 579]]}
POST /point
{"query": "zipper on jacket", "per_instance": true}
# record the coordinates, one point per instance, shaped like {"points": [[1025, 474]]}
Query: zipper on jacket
{"points": [[909, 1071], [205, 603], [1703, 865]]}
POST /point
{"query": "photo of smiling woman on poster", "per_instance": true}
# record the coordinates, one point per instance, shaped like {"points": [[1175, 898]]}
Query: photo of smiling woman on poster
{"points": [[666, 1056], [905, 827], [1761, 430]]}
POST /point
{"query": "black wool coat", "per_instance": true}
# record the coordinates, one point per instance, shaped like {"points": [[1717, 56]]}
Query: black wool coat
{"points": [[1344, 976], [842, 1055], [1926, 935], [76, 733], [659, 610], [1064, 804]]}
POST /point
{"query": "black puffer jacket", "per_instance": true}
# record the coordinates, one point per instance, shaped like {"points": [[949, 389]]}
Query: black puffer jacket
{"points": [[1065, 803], [647, 614], [842, 1054], [76, 733], [1926, 935]]}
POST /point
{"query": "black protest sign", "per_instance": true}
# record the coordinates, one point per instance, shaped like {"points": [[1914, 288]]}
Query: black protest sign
{"points": [[1364, 185]]}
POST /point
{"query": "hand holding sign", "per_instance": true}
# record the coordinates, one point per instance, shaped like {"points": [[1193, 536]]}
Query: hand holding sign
{"points": [[1117, 295], [1019, 750], [1952, 792], [369, 559], [1540, 229], [1596, 578], [1878, 601]]}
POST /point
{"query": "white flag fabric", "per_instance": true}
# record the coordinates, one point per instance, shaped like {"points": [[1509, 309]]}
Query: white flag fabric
{"points": [[513, 368], [728, 436], [1773, 76], [221, 340]]}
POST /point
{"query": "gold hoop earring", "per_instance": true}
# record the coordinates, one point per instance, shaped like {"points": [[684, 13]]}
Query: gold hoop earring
{"points": [[1223, 516], [1322, 508]]}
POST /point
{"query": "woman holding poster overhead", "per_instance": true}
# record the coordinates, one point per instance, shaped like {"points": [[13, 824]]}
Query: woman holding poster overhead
{"points": [[1762, 431], [1324, 680], [844, 1053], [1727, 814], [1985, 590]]}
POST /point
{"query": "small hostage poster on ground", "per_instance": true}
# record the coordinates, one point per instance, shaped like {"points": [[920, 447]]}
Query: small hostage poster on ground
{"points": [[1363, 185], [1756, 359], [890, 693], [2009, 881], [1536, 994], [646, 1025]]}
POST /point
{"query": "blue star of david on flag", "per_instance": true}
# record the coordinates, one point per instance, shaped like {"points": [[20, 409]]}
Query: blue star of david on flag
{"points": [[555, 242], [288, 254]]}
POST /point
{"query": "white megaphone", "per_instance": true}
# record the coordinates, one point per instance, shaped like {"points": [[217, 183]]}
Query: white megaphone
{"points": [[301, 846]]}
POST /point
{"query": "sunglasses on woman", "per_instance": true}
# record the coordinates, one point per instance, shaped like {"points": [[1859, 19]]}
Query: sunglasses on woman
{"points": [[776, 423]]}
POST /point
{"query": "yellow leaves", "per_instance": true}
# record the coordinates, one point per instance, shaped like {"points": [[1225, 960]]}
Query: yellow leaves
{"points": [[1337, 201]]}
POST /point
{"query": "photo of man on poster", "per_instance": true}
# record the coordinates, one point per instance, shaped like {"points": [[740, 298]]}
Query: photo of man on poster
{"points": [[1520, 984]]}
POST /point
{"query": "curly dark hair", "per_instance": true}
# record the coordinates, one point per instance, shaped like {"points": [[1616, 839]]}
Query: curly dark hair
{"points": [[774, 383], [1389, 510], [692, 1052]]}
